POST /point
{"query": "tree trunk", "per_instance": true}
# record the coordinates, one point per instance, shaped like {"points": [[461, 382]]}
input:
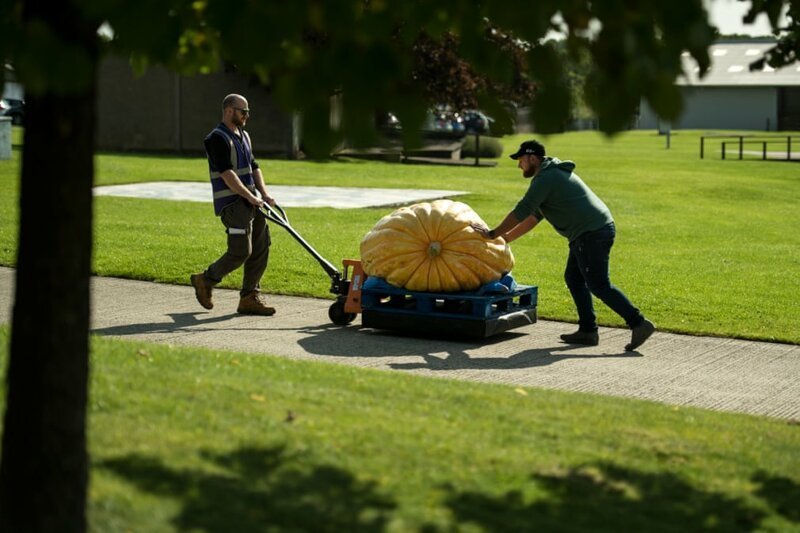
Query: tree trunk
{"points": [[44, 469]]}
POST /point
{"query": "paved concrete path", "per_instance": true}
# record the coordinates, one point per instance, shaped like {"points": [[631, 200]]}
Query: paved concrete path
{"points": [[715, 373]]}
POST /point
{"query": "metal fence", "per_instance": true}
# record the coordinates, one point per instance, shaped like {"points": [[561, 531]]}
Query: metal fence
{"points": [[780, 143]]}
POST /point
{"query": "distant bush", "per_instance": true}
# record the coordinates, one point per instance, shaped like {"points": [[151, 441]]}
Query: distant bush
{"points": [[489, 147]]}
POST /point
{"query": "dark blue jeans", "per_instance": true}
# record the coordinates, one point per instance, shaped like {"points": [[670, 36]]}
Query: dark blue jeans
{"points": [[587, 274]]}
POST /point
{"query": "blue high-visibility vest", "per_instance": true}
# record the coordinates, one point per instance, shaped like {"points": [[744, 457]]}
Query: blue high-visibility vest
{"points": [[242, 161]]}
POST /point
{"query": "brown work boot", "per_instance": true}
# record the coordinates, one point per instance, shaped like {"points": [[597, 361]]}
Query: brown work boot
{"points": [[252, 304], [202, 290]]}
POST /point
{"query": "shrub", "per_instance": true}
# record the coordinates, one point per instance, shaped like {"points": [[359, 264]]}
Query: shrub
{"points": [[489, 147]]}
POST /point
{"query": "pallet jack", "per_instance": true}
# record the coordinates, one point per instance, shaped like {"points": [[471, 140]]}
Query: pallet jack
{"points": [[480, 314]]}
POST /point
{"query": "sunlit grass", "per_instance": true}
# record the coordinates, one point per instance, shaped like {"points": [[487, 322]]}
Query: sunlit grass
{"points": [[703, 246], [200, 440], [193, 439]]}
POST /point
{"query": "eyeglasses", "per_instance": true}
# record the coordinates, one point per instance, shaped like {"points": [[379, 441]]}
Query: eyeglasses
{"points": [[242, 110]]}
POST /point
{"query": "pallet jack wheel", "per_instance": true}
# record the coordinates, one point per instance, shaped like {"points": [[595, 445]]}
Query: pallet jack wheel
{"points": [[337, 314]]}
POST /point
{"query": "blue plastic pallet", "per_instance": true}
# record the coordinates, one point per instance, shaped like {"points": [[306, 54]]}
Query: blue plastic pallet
{"points": [[476, 314]]}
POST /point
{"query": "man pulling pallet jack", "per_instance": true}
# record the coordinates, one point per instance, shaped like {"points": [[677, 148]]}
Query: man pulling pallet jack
{"points": [[239, 191]]}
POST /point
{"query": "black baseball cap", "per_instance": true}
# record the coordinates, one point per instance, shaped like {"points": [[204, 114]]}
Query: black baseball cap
{"points": [[529, 147]]}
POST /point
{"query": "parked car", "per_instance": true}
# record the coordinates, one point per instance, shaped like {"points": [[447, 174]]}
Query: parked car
{"points": [[476, 121], [442, 118], [14, 108], [388, 122], [458, 123], [437, 120]]}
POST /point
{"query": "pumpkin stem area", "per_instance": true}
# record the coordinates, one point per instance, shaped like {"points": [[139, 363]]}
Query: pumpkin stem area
{"points": [[434, 249]]}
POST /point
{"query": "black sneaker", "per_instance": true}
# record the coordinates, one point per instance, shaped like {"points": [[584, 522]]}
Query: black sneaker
{"points": [[639, 334], [587, 338]]}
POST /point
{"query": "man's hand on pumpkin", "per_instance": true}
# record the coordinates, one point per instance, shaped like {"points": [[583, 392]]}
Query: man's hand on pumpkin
{"points": [[483, 230]]}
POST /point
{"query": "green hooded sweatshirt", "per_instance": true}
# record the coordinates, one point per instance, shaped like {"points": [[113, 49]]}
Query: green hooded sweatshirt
{"points": [[559, 195]]}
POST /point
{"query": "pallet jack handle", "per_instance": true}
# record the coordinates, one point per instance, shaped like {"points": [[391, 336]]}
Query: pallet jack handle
{"points": [[276, 214]]}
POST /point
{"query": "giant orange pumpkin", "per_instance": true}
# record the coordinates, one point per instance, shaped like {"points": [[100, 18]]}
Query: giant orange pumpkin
{"points": [[431, 247]]}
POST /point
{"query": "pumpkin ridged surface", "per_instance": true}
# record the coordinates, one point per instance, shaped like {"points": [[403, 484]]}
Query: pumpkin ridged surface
{"points": [[431, 247]]}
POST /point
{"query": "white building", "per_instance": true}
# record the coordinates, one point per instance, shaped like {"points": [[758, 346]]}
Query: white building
{"points": [[732, 97]]}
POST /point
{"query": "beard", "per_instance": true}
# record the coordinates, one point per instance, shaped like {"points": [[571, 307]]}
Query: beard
{"points": [[529, 173], [238, 122]]}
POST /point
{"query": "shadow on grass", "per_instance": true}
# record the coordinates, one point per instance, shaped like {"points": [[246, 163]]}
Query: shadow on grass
{"points": [[267, 489], [606, 497], [782, 494], [259, 489]]}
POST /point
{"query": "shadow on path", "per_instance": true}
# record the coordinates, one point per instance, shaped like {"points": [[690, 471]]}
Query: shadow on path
{"points": [[180, 321], [437, 353], [527, 359]]}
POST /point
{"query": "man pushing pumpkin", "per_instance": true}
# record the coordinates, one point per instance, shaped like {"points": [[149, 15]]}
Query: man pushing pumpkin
{"points": [[558, 195]]}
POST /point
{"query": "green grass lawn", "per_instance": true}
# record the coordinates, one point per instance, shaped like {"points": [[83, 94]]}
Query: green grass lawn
{"points": [[703, 246], [185, 439]]}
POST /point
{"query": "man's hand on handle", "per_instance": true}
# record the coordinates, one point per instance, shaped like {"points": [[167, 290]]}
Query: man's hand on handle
{"points": [[261, 198], [254, 200]]}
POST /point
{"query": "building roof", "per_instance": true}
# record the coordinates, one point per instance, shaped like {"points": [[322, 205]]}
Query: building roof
{"points": [[730, 67]]}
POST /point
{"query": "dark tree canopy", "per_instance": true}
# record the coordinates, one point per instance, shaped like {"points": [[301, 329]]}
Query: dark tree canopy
{"points": [[372, 51], [377, 54], [787, 50]]}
